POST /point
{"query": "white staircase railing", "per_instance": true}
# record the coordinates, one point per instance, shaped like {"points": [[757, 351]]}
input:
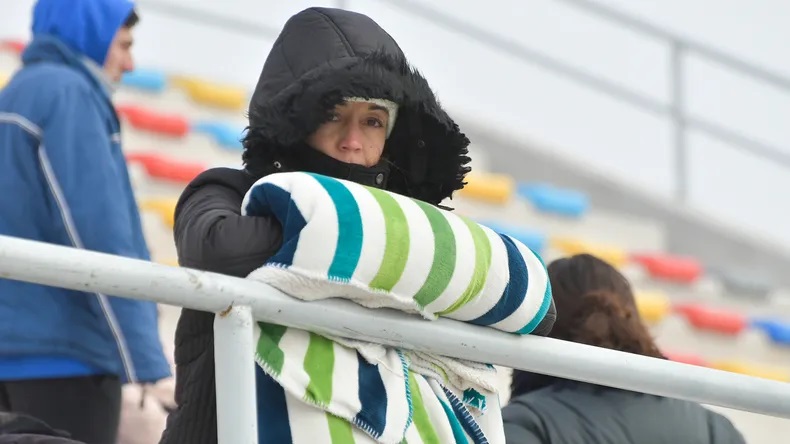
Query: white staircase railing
{"points": [[239, 302]]}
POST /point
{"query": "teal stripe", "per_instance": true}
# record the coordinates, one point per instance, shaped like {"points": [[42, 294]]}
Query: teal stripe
{"points": [[444, 251], [396, 248], [455, 425], [349, 222]]}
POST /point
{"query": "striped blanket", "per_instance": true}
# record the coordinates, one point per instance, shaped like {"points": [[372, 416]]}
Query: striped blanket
{"points": [[380, 249]]}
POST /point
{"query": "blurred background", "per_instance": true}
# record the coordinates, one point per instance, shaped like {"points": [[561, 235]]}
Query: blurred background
{"points": [[648, 133]]}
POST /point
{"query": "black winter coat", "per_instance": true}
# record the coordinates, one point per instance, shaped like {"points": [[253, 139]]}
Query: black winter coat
{"points": [[211, 235]]}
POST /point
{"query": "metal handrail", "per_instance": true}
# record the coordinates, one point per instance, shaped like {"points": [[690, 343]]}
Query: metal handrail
{"points": [[674, 109]]}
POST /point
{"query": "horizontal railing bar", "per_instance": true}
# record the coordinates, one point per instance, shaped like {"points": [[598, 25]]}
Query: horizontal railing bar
{"points": [[66, 267]]}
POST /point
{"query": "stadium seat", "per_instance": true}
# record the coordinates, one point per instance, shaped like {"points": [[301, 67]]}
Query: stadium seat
{"points": [[211, 94], [669, 268], [145, 79], [687, 358], [164, 207], [4, 78], [161, 167], [572, 246], [224, 135], [15, 46], [172, 262], [778, 331], [487, 187], [153, 121], [700, 317], [535, 240], [757, 371], [653, 306], [550, 199]]}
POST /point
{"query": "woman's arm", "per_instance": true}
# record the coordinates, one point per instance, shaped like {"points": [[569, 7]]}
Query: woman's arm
{"points": [[210, 232]]}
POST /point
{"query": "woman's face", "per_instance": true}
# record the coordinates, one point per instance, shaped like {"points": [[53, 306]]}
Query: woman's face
{"points": [[355, 133]]}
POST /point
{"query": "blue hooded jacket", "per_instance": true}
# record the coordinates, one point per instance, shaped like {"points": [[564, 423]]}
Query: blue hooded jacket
{"points": [[65, 181]]}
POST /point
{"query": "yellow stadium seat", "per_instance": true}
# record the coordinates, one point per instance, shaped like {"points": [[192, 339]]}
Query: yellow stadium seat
{"points": [[571, 246], [493, 188], [752, 370], [173, 262], [212, 94], [653, 306], [164, 207], [4, 79]]}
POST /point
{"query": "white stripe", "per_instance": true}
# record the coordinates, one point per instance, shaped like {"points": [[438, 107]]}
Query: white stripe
{"points": [[308, 424], [537, 278], [23, 123], [49, 175], [374, 237], [316, 205], [116, 137], [293, 378], [71, 228], [496, 280], [463, 268]]}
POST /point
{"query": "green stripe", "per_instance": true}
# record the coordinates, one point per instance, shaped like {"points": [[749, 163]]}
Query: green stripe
{"points": [[319, 364], [443, 256], [268, 348], [421, 419], [396, 249], [339, 430], [482, 264]]}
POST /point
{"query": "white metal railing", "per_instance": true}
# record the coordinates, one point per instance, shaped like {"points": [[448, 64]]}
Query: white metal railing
{"points": [[239, 302]]}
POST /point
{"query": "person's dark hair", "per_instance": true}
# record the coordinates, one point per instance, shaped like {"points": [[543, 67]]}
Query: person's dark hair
{"points": [[595, 306], [131, 20]]}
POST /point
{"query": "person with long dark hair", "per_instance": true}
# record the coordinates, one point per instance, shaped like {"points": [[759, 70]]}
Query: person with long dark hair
{"points": [[596, 306]]}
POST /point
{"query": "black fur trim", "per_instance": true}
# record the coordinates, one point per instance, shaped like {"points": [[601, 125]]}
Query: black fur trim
{"points": [[426, 150]]}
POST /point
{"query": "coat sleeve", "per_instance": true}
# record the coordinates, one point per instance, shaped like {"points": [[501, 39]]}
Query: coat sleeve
{"points": [[212, 235], [522, 425], [76, 157]]}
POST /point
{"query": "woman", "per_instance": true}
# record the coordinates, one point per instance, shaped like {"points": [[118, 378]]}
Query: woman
{"points": [[596, 307], [336, 97]]}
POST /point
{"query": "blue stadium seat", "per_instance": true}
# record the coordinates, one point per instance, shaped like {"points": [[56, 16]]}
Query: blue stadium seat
{"points": [[225, 135], [778, 331], [550, 199], [145, 79], [534, 239]]}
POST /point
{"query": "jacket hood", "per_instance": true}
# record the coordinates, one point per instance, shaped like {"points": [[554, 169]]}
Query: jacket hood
{"points": [[85, 26], [323, 55]]}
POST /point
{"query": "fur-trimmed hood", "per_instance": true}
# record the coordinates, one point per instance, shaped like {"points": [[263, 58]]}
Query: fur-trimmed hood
{"points": [[323, 55]]}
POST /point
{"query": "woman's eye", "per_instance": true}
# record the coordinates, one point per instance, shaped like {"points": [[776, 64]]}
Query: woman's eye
{"points": [[372, 121]]}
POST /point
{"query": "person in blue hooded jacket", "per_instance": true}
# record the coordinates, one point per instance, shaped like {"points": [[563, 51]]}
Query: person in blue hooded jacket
{"points": [[64, 354]]}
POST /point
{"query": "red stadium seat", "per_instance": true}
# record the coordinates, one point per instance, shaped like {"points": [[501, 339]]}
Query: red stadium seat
{"points": [[164, 168], [669, 268], [154, 121], [16, 46], [716, 320], [686, 358]]}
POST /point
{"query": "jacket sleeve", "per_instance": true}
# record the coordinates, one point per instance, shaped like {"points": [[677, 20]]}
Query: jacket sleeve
{"points": [[76, 156], [522, 425], [212, 235]]}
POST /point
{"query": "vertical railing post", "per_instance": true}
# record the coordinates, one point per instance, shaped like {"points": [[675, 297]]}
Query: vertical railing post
{"points": [[237, 419], [677, 110]]}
